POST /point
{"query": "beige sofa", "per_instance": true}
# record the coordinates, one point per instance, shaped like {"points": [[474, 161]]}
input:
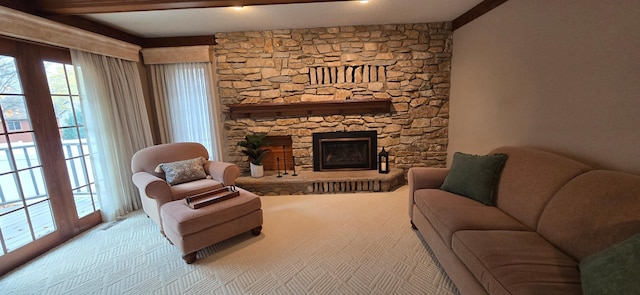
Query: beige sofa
{"points": [[550, 213]]}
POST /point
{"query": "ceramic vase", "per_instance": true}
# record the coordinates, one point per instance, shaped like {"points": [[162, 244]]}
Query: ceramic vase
{"points": [[257, 170]]}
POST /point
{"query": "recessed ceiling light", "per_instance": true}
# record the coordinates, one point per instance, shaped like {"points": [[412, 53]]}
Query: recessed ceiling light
{"points": [[238, 7], [364, 1]]}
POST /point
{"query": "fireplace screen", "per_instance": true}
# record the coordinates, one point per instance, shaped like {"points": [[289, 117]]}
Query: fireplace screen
{"points": [[344, 150]]}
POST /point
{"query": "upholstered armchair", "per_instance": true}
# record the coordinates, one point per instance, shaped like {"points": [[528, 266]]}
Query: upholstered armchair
{"points": [[159, 173]]}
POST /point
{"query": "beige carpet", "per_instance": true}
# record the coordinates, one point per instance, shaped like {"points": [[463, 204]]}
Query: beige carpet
{"points": [[310, 244]]}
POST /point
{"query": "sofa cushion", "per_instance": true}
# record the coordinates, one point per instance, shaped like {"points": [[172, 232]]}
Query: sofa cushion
{"points": [[614, 270], [593, 212], [183, 171], [181, 191], [474, 176], [516, 262], [530, 178], [449, 213]]}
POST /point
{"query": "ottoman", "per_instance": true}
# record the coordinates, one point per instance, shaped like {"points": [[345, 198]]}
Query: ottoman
{"points": [[194, 229]]}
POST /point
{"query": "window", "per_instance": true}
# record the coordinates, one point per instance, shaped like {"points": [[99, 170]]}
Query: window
{"points": [[13, 125]]}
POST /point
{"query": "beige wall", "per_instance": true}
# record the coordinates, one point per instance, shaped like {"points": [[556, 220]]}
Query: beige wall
{"points": [[563, 76]]}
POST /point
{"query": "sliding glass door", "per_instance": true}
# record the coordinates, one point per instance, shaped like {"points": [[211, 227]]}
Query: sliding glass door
{"points": [[47, 192], [73, 135], [25, 209]]}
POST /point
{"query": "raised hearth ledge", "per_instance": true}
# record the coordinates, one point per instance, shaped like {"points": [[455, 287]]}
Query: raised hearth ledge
{"points": [[310, 182], [329, 107]]}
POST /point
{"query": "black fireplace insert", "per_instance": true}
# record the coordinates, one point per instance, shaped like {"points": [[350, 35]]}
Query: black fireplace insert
{"points": [[354, 150]]}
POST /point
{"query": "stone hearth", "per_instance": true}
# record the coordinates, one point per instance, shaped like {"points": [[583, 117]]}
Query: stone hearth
{"points": [[309, 182]]}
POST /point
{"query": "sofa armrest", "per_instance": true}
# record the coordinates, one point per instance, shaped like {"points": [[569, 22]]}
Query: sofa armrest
{"points": [[223, 172], [152, 187], [424, 178]]}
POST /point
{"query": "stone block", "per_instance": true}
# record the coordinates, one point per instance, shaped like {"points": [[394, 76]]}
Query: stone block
{"points": [[422, 55], [250, 93], [269, 72], [342, 94], [241, 84], [438, 121], [376, 86], [320, 75], [310, 97], [260, 63], [280, 79], [395, 74], [253, 77], [288, 121], [421, 123], [349, 57], [374, 74], [394, 93], [324, 48], [326, 91], [365, 74], [270, 93], [349, 75], [400, 107], [291, 87], [391, 128], [228, 92], [371, 46], [302, 79], [381, 95], [357, 75], [313, 78], [418, 102], [309, 49], [384, 56]]}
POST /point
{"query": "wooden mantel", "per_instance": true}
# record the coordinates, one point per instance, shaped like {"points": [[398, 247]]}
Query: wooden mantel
{"points": [[329, 107]]}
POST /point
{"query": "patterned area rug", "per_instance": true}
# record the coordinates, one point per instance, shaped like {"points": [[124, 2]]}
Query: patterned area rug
{"points": [[310, 244]]}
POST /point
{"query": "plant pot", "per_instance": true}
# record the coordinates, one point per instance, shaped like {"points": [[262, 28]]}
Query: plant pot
{"points": [[257, 170]]}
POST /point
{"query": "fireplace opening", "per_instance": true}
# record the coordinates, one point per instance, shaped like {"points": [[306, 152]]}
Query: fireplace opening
{"points": [[345, 150]]}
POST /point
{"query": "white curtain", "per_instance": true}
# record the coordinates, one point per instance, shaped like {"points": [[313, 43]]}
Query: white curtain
{"points": [[185, 104], [116, 116]]}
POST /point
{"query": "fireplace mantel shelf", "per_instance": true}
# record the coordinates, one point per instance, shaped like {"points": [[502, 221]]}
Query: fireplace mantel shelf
{"points": [[330, 107]]}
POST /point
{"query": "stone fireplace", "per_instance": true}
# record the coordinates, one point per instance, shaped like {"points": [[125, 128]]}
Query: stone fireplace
{"points": [[333, 69], [355, 150]]}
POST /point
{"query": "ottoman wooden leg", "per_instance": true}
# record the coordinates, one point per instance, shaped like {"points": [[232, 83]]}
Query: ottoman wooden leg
{"points": [[256, 231], [190, 258]]}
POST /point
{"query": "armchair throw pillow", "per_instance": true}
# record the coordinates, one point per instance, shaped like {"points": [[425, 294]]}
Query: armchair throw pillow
{"points": [[474, 176], [183, 171]]}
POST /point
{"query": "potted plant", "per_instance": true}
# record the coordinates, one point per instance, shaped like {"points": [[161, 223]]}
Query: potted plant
{"points": [[253, 147]]}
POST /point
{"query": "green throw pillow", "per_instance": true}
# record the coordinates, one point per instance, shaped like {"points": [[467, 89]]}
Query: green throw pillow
{"points": [[474, 176], [615, 270], [183, 171]]}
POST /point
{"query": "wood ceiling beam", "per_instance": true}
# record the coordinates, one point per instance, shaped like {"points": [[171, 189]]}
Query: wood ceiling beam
{"points": [[178, 41], [475, 12], [68, 7]]}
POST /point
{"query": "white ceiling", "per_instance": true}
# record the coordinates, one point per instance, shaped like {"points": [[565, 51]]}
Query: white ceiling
{"points": [[208, 21]]}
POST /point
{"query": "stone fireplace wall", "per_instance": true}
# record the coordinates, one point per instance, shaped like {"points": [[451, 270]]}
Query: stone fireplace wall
{"points": [[409, 64]]}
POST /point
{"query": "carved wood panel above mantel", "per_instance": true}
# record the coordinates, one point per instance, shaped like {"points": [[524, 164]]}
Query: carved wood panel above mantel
{"points": [[307, 108]]}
